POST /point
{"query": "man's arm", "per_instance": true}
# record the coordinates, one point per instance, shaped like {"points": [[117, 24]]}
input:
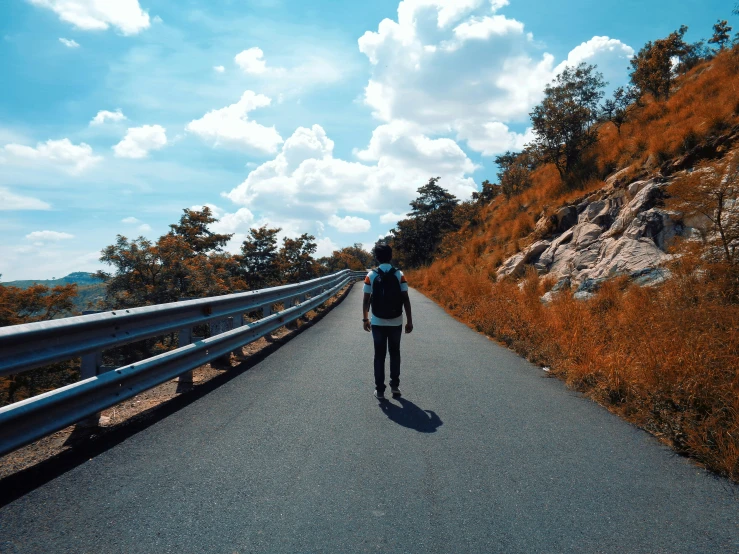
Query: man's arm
{"points": [[365, 311], [408, 313]]}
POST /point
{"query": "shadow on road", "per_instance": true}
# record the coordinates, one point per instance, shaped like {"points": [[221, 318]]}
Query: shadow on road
{"points": [[411, 416]]}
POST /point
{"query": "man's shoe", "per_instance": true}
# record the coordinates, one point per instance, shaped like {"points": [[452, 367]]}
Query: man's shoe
{"points": [[379, 395], [396, 392]]}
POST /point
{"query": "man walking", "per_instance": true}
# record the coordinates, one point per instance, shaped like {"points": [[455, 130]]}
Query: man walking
{"points": [[386, 292]]}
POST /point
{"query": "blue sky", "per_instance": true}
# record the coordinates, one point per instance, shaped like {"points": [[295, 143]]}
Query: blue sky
{"points": [[320, 117]]}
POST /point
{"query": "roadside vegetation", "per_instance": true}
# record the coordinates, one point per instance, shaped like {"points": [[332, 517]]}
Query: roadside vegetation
{"points": [[187, 262], [665, 357]]}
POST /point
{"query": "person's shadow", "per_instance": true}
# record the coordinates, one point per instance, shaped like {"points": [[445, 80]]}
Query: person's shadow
{"points": [[411, 416]]}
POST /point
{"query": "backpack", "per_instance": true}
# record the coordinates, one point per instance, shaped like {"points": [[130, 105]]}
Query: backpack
{"points": [[386, 300]]}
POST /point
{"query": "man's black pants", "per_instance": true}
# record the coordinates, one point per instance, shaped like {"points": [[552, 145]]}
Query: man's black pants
{"points": [[387, 338]]}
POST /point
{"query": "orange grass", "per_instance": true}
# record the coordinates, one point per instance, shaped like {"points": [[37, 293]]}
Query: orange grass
{"points": [[665, 358]]}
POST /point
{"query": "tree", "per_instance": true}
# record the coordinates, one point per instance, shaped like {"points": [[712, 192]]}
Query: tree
{"points": [[489, 192], [295, 258], [616, 109], [35, 303], [187, 262], [258, 258], [657, 63], [713, 192], [416, 238], [353, 257], [514, 172], [721, 34], [564, 121], [193, 227]]}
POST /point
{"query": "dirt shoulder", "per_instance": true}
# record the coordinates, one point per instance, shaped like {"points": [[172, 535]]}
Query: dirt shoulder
{"points": [[39, 461]]}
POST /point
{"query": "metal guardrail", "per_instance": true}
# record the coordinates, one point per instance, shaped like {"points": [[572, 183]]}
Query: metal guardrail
{"points": [[32, 345]]}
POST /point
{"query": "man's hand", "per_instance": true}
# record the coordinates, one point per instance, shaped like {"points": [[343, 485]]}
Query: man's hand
{"points": [[408, 327], [367, 326]]}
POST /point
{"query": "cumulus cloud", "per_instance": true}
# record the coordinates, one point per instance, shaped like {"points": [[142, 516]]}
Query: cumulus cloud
{"points": [[96, 15], [251, 61], [237, 222], [219, 68], [610, 55], [391, 217], [144, 228], [425, 70], [349, 224], [104, 115], [139, 141], [317, 68], [69, 43], [130, 220], [230, 127], [305, 182], [325, 247], [73, 158], [48, 236], [11, 202]]}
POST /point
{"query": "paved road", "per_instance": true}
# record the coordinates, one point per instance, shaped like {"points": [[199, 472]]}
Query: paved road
{"points": [[483, 454]]}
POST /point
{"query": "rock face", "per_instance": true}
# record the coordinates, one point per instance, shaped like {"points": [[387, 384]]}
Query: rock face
{"points": [[618, 230]]}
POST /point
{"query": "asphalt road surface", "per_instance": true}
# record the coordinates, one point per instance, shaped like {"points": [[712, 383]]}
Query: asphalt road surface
{"points": [[482, 454]]}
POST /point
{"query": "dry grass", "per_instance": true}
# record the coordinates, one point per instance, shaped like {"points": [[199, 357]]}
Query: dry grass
{"points": [[665, 358]]}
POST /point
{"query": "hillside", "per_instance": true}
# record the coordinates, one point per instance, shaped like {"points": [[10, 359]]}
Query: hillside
{"points": [[558, 272], [80, 278]]}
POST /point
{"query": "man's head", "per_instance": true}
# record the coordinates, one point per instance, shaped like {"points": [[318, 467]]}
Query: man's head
{"points": [[383, 253]]}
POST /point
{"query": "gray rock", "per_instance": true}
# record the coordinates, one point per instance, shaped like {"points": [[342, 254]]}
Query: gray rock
{"points": [[637, 186], [590, 285], [562, 264], [566, 218], [659, 225], [514, 266], [625, 256], [584, 295], [584, 234], [645, 199], [587, 257], [650, 277]]}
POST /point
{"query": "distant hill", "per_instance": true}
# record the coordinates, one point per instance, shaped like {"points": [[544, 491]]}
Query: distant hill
{"points": [[81, 278], [90, 289]]}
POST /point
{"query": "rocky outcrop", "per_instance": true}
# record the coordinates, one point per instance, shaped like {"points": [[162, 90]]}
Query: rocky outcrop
{"points": [[618, 230]]}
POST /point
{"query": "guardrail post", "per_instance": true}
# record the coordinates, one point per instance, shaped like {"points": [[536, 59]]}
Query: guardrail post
{"points": [[220, 327], [238, 321], [184, 337], [89, 367]]}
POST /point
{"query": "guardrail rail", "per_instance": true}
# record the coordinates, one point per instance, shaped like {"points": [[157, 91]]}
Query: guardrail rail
{"points": [[32, 345]]}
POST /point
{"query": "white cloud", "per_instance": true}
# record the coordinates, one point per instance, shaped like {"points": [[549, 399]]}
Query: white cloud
{"points": [[139, 141], [237, 222], [58, 153], [251, 61], [426, 71], [144, 228], [610, 55], [325, 247], [230, 127], [130, 220], [96, 15], [317, 68], [10, 201], [391, 217], [349, 224], [219, 68], [104, 115], [69, 43], [305, 183], [48, 236]]}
